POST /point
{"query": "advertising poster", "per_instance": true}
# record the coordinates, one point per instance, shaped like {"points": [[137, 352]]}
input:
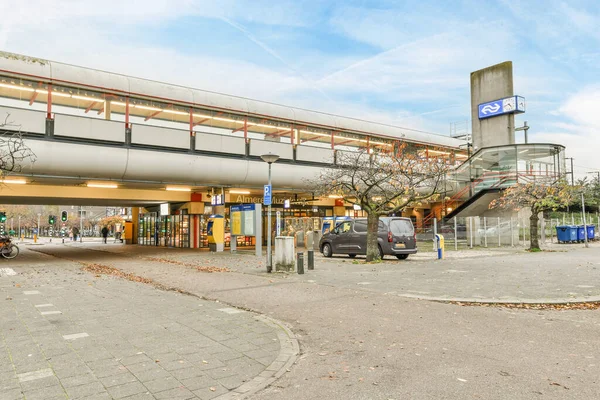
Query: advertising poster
{"points": [[236, 221]]}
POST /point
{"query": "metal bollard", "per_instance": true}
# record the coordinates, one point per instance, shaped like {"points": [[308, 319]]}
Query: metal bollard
{"points": [[300, 263], [311, 260]]}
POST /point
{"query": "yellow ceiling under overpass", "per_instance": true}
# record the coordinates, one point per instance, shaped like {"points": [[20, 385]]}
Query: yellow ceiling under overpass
{"points": [[87, 196]]}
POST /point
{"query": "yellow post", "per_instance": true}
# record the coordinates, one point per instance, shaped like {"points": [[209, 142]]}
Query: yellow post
{"points": [[440, 246], [35, 238]]}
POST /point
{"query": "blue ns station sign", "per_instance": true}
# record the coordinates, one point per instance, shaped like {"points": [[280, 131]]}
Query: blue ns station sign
{"points": [[508, 105]]}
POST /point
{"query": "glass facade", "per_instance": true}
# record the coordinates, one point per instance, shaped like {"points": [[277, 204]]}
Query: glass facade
{"points": [[165, 231], [503, 166]]}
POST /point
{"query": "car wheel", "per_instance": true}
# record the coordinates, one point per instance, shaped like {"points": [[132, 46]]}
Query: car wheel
{"points": [[380, 252], [351, 255], [402, 256], [327, 250]]}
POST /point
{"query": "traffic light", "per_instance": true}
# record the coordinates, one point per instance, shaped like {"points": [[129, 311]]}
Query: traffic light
{"points": [[2, 217], [64, 216], [51, 219]]}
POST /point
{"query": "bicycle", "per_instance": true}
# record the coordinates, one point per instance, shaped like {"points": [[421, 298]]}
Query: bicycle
{"points": [[7, 248]]}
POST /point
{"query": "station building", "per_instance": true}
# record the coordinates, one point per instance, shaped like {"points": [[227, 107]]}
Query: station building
{"points": [[102, 138]]}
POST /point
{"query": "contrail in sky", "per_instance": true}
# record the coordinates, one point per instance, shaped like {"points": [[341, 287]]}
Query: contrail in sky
{"points": [[274, 54]]}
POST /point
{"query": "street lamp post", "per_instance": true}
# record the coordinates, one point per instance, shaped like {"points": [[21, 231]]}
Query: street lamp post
{"points": [[38, 228], [80, 224], [269, 159]]}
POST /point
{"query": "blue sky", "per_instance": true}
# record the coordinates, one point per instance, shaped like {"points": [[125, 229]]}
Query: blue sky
{"points": [[405, 63]]}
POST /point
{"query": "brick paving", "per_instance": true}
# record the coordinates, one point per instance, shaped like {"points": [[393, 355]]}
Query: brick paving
{"points": [[68, 334]]}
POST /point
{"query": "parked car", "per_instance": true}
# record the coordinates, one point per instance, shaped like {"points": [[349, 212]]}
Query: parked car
{"points": [[396, 237]]}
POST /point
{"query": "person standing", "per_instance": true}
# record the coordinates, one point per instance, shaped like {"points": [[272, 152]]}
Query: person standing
{"points": [[75, 233], [104, 233]]}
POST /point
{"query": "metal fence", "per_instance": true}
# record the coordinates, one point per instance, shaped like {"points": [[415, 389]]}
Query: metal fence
{"points": [[469, 232]]}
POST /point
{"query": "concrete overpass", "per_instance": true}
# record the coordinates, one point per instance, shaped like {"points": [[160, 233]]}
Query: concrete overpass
{"points": [[142, 137]]}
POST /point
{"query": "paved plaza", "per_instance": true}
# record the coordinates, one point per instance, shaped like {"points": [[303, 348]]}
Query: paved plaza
{"points": [[71, 334], [363, 332]]}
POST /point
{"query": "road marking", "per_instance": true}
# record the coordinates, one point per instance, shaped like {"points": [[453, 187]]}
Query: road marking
{"points": [[75, 336], [7, 272], [363, 283], [585, 286], [50, 312], [455, 271], [31, 376], [44, 305], [230, 310], [31, 292]]}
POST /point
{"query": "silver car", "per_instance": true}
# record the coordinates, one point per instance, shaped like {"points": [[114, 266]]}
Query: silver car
{"points": [[396, 237]]}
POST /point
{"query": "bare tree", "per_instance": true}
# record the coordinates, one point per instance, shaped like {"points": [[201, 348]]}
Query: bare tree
{"points": [[539, 195], [13, 150], [382, 183]]}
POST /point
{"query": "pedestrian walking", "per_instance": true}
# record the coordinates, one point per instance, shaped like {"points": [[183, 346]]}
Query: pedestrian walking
{"points": [[75, 232], [104, 233], [71, 235]]}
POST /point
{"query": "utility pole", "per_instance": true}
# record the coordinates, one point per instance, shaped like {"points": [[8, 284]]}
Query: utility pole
{"points": [[524, 128], [572, 178]]}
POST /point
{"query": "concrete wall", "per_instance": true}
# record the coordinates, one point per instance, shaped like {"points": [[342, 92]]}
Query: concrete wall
{"points": [[489, 84], [23, 120], [89, 128], [163, 137]]}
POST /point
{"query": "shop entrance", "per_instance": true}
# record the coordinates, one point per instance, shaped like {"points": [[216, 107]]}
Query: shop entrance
{"points": [[165, 231]]}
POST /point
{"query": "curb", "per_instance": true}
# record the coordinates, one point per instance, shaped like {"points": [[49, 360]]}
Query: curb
{"points": [[287, 357], [572, 300]]}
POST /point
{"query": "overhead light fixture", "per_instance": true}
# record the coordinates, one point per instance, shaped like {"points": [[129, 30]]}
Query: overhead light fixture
{"points": [[175, 112], [227, 120], [16, 87], [239, 191], [14, 181], [60, 94], [202, 116], [85, 98], [103, 185], [437, 152], [118, 103], [148, 108], [178, 189]]}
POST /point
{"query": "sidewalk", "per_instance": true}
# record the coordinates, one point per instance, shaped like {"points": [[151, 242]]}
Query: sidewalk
{"points": [[71, 334], [567, 273], [361, 343]]}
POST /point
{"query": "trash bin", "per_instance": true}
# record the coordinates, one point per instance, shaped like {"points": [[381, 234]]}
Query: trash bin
{"points": [[591, 232], [580, 233], [566, 233]]}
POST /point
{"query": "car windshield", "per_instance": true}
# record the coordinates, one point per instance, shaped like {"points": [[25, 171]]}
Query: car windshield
{"points": [[401, 227]]}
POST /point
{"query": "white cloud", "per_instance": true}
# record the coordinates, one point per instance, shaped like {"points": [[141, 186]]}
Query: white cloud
{"points": [[581, 134]]}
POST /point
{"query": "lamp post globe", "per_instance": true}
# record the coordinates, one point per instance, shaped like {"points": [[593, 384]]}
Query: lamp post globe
{"points": [[269, 159]]}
